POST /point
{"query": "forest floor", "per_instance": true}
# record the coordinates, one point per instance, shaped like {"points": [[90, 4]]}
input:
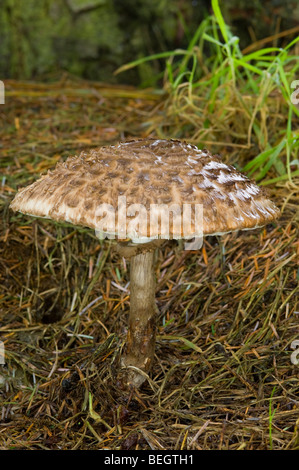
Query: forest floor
{"points": [[225, 374]]}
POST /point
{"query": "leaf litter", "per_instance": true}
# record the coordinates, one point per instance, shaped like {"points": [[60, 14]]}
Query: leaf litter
{"points": [[228, 314]]}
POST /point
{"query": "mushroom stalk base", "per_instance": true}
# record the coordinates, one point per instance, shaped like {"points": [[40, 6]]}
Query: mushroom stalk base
{"points": [[141, 336]]}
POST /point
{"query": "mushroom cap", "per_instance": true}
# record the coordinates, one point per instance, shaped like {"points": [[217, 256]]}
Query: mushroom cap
{"points": [[151, 174]]}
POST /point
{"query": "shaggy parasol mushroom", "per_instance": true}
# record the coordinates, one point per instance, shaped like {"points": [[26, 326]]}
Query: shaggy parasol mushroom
{"points": [[94, 188]]}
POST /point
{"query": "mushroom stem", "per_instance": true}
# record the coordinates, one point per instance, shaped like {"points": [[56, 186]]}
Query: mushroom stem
{"points": [[141, 336]]}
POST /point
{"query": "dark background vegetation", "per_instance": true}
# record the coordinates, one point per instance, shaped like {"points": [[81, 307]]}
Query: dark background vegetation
{"points": [[92, 38]]}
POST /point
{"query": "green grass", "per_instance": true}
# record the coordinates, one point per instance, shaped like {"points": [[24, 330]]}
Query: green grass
{"points": [[212, 77]]}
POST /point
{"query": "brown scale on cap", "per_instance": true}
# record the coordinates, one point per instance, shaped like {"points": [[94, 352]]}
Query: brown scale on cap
{"points": [[148, 171]]}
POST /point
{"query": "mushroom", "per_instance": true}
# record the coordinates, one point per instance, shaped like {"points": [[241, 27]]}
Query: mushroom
{"points": [[118, 190]]}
